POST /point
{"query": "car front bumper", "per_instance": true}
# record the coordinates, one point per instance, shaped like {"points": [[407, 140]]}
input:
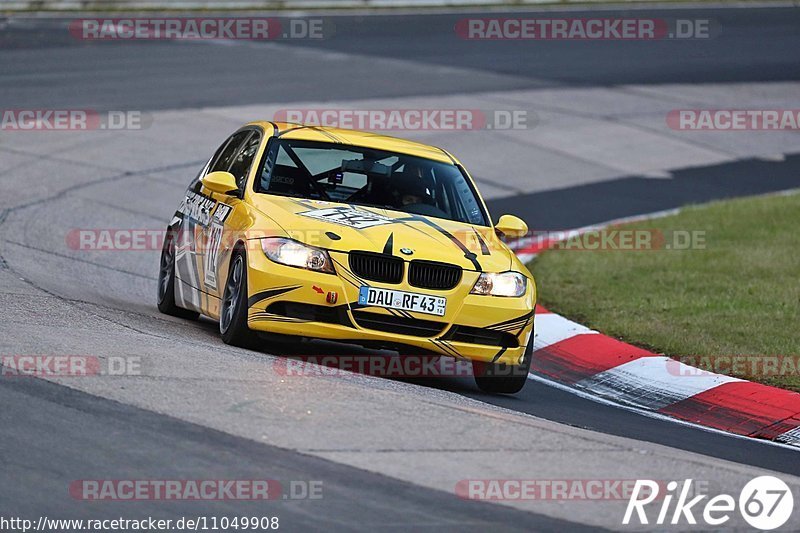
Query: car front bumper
{"points": [[293, 301]]}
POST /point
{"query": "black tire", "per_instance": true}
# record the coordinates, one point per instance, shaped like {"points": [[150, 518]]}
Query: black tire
{"points": [[233, 308], [504, 379], [166, 281]]}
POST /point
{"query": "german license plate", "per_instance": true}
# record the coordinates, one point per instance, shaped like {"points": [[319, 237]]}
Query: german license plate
{"points": [[405, 301]]}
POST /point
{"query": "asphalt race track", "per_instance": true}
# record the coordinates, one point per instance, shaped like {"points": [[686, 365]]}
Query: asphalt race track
{"points": [[389, 453]]}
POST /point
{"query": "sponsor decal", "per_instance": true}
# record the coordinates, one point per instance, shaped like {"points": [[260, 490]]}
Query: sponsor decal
{"points": [[214, 245], [197, 207], [349, 216], [222, 212]]}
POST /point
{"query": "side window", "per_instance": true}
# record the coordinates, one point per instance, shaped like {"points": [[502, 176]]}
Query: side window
{"points": [[244, 159], [223, 162]]}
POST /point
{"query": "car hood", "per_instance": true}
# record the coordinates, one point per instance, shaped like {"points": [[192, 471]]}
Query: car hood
{"points": [[346, 227]]}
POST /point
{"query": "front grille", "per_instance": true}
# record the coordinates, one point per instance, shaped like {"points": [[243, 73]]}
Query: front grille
{"points": [[485, 336], [398, 324], [432, 275], [377, 267]]}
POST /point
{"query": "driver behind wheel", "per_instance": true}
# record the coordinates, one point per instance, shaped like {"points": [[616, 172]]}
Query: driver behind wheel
{"points": [[413, 185]]}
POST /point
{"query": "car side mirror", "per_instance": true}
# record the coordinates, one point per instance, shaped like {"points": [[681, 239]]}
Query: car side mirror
{"points": [[511, 226], [222, 183]]}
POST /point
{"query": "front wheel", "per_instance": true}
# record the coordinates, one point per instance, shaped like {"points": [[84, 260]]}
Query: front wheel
{"points": [[501, 378], [233, 311]]}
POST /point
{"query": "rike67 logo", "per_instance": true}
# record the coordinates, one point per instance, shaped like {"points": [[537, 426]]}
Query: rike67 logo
{"points": [[765, 503]]}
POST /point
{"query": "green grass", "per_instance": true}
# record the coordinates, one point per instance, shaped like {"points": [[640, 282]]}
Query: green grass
{"points": [[740, 295]]}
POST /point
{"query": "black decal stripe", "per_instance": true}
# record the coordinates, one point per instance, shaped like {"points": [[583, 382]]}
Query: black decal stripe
{"points": [[442, 349], [273, 319], [261, 315], [484, 248], [511, 327], [467, 253], [525, 325], [305, 204], [344, 270], [389, 246], [452, 349], [510, 321], [501, 352], [269, 294], [415, 218], [446, 348]]}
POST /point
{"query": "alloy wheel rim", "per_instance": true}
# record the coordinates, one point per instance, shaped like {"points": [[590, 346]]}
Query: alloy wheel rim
{"points": [[165, 272], [232, 290]]}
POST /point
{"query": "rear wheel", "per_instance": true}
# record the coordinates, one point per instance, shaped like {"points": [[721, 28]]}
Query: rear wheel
{"points": [[166, 281], [233, 311], [501, 378]]}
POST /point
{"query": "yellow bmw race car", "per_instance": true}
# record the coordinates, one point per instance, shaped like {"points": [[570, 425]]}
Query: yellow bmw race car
{"points": [[337, 234]]}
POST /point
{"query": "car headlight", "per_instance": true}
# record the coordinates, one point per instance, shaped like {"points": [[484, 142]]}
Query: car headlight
{"points": [[500, 284], [292, 253]]}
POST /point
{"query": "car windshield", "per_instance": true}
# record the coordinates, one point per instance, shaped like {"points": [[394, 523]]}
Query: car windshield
{"points": [[368, 177]]}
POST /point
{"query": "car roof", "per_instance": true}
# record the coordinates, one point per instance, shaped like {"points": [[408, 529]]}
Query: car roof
{"points": [[288, 130]]}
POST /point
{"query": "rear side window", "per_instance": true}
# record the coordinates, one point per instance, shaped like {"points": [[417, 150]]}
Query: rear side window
{"points": [[225, 159]]}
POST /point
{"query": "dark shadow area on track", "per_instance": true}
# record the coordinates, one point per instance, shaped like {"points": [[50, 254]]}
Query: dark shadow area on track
{"points": [[752, 45], [99, 439], [595, 203], [738, 49]]}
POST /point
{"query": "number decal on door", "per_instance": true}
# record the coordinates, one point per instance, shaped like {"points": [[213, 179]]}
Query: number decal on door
{"points": [[214, 244]]}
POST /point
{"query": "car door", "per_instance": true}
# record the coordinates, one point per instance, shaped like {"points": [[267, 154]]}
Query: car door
{"points": [[195, 213], [227, 221]]}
